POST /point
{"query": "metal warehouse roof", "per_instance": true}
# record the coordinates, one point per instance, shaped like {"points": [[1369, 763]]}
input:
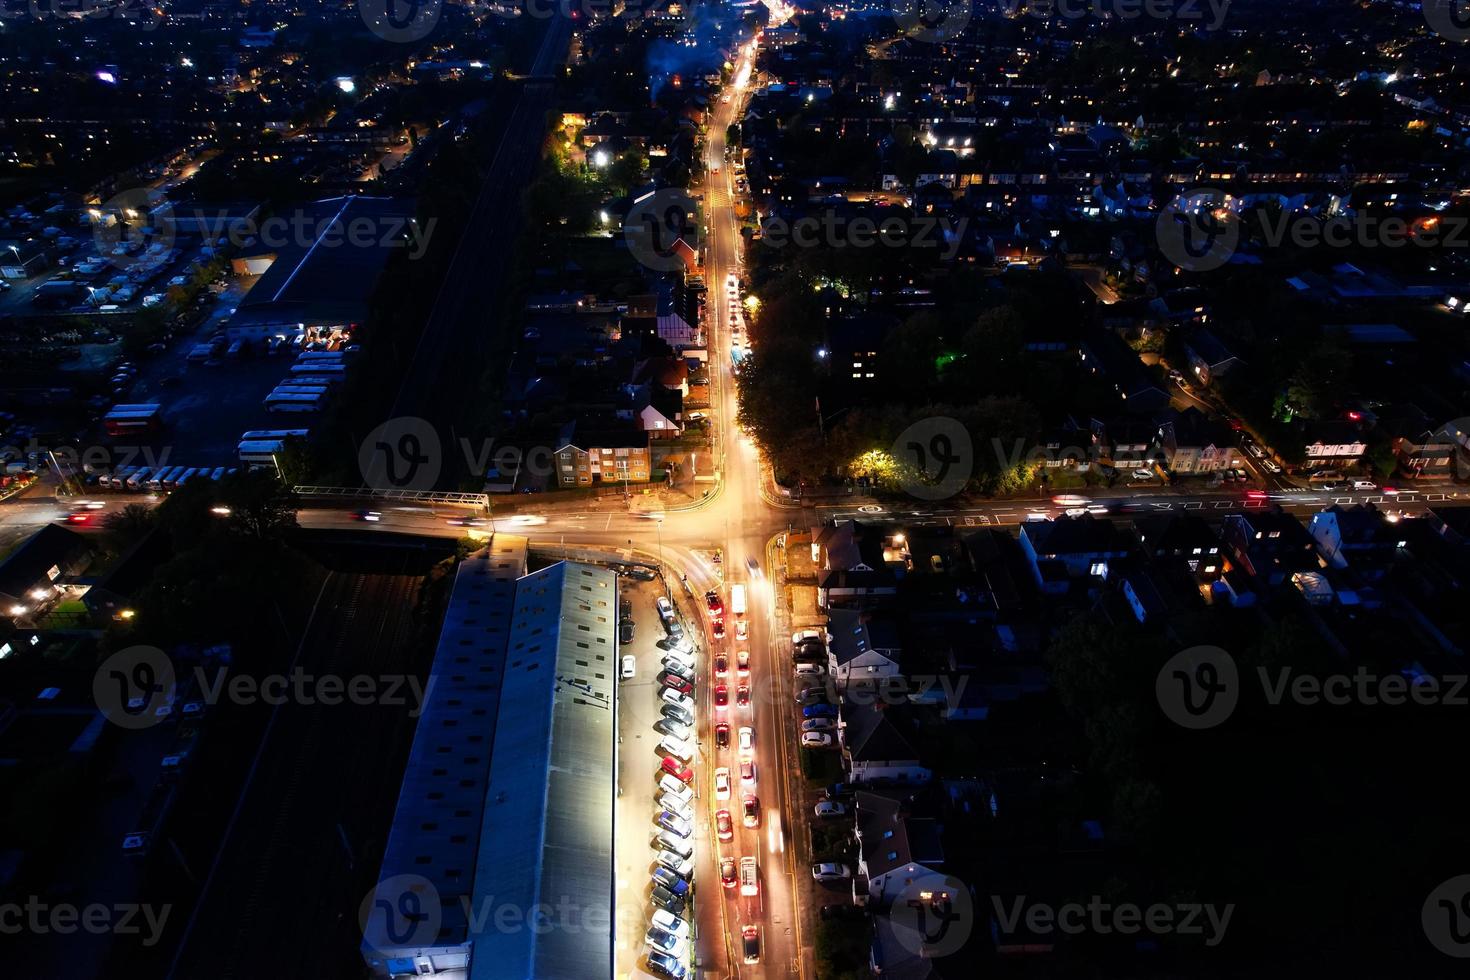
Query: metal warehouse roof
{"points": [[437, 824], [546, 841]]}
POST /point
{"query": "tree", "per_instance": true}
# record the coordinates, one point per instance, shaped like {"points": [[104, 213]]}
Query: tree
{"points": [[260, 505], [1320, 381], [130, 524]]}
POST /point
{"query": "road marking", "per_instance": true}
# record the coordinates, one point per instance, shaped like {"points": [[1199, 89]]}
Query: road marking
{"points": [[1194, 505]]}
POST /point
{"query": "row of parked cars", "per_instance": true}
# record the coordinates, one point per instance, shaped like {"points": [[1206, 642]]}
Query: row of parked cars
{"points": [[668, 937]]}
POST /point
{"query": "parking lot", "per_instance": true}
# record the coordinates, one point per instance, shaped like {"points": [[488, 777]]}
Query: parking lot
{"points": [[638, 762]]}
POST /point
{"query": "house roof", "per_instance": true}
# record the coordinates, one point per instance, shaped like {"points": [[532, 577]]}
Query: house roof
{"points": [[872, 736], [1166, 533], [1074, 536], [30, 563], [856, 632], [892, 836]]}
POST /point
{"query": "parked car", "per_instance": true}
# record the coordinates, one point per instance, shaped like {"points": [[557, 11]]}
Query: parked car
{"points": [[818, 725], [674, 768], [663, 942], [841, 912], [722, 783], [819, 711], [673, 822], [809, 669], [665, 899], [678, 668], [724, 827], [816, 740], [830, 872], [668, 966], [681, 866], [674, 681], [668, 726], [671, 923], [628, 668], [674, 883], [828, 808], [678, 713]]}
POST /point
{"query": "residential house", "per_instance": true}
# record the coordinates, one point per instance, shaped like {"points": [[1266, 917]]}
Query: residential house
{"points": [[1181, 535], [1193, 443], [1269, 544], [1355, 535], [853, 563], [896, 847], [879, 741], [1070, 548], [862, 645], [1209, 358], [1330, 443], [592, 458]]}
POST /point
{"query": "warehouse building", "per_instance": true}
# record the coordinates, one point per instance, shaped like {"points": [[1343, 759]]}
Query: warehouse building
{"points": [[499, 864]]}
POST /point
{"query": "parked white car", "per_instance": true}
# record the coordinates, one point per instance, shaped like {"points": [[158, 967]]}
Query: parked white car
{"points": [[830, 872], [816, 740]]}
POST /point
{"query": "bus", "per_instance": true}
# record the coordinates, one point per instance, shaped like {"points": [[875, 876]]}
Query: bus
{"points": [[737, 599], [294, 401], [259, 452], [255, 435], [321, 368], [132, 419]]}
